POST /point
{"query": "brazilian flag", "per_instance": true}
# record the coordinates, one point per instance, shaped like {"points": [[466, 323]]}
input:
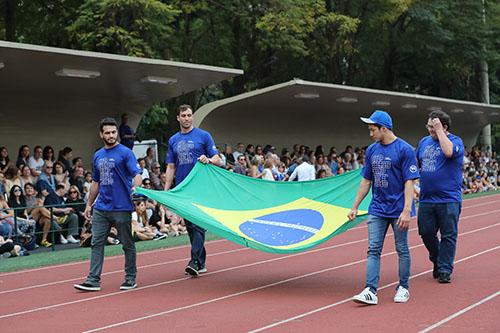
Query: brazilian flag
{"points": [[278, 217]]}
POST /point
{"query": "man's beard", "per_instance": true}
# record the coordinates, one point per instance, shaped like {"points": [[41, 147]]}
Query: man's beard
{"points": [[109, 142]]}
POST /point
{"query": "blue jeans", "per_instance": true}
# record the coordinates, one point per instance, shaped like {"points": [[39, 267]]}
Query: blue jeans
{"points": [[377, 229], [442, 217], [197, 240], [101, 224], [5, 229]]}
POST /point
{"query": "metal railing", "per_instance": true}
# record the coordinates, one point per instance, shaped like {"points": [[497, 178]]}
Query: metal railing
{"points": [[16, 235]]}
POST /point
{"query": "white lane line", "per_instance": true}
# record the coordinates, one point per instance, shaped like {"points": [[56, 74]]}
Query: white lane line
{"points": [[118, 256], [329, 306], [461, 312], [285, 281], [218, 253], [182, 279], [184, 246], [120, 271], [463, 208]]}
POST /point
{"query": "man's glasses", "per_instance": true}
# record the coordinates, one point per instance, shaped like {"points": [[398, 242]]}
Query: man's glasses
{"points": [[49, 167]]}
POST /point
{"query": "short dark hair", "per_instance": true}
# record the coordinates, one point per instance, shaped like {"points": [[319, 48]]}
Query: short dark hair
{"points": [[443, 117], [183, 108], [108, 121], [60, 186]]}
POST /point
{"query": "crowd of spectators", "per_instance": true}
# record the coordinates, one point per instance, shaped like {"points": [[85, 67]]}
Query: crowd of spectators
{"points": [[46, 195], [42, 200], [480, 170]]}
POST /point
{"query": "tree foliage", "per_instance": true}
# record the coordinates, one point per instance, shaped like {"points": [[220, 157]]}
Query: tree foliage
{"points": [[430, 47]]}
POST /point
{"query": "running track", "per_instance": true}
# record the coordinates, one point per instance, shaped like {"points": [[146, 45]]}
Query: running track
{"points": [[251, 291]]}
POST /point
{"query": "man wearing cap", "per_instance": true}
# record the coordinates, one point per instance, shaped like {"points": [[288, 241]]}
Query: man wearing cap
{"points": [[390, 170], [440, 156]]}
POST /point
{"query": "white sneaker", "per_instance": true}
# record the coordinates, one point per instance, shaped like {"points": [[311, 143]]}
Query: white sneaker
{"points": [[63, 240], [402, 295], [366, 297], [72, 240]]}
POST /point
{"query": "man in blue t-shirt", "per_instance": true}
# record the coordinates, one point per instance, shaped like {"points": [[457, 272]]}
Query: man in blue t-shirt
{"points": [[185, 148], [127, 136], [440, 157], [390, 170], [114, 171]]}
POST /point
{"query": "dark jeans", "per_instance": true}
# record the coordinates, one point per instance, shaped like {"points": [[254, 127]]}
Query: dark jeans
{"points": [[197, 239], [442, 217], [101, 224]]}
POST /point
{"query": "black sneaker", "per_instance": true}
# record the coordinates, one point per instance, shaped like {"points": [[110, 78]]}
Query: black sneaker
{"points": [[202, 270], [87, 287], [127, 285], [444, 277], [159, 236], [192, 269]]}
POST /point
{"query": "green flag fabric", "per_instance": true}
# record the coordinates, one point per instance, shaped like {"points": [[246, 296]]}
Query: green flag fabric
{"points": [[277, 217]]}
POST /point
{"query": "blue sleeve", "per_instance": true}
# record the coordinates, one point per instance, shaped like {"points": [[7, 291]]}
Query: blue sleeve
{"points": [[132, 164], [417, 153], [96, 175], [170, 153], [366, 172], [409, 163], [210, 148], [458, 148]]}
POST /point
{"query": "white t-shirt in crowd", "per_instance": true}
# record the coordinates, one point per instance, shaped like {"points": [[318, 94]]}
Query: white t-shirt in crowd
{"points": [[304, 171], [267, 174], [36, 164], [149, 213]]}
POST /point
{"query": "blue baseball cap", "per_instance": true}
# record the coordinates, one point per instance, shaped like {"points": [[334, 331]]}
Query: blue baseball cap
{"points": [[379, 117]]}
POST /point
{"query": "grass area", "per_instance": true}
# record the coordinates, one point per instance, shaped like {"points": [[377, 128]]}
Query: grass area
{"points": [[79, 254], [39, 259]]}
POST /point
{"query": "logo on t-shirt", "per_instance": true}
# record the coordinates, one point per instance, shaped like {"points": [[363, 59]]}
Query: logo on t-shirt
{"points": [[380, 165], [429, 158], [106, 167], [184, 154], [413, 168]]}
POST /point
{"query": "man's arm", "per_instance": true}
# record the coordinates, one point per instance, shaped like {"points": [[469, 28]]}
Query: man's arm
{"points": [[170, 176], [404, 218], [444, 142], [364, 188], [293, 175], [215, 160], [94, 190], [137, 180]]}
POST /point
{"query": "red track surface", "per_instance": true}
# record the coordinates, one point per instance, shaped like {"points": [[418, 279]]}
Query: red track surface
{"points": [[247, 290]]}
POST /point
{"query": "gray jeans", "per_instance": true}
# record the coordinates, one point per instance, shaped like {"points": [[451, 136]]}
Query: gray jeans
{"points": [[101, 224]]}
